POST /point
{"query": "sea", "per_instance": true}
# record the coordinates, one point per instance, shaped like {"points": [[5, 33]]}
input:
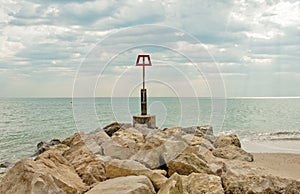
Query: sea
{"points": [[24, 122]]}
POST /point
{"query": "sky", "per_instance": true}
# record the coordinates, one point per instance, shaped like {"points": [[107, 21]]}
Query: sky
{"points": [[231, 48]]}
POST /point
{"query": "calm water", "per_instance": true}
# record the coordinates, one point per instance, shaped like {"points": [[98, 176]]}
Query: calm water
{"points": [[25, 122]]}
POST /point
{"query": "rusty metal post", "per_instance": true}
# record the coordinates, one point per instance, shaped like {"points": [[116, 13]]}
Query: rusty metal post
{"points": [[143, 102]]}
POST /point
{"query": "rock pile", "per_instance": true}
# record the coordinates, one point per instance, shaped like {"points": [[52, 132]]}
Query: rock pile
{"points": [[123, 159]]}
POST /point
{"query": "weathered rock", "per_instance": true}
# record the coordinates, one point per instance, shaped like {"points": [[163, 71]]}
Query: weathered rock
{"points": [[130, 133], [223, 141], [87, 165], [129, 138], [5, 165], [115, 150], [59, 148], [193, 184], [258, 184], [92, 144], [117, 168], [1, 176], [172, 149], [199, 131], [43, 146], [193, 140], [150, 158], [173, 185], [153, 141], [150, 153], [186, 163], [159, 171], [171, 132], [217, 167], [99, 136], [121, 185], [158, 156], [49, 173], [112, 128], [232, 152]]}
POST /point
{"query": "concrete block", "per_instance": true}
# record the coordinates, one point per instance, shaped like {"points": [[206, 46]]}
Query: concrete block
{"points": [[148, 120]]}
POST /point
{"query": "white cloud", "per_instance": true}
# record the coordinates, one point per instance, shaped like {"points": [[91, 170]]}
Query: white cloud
{"points": [[50, 39]]}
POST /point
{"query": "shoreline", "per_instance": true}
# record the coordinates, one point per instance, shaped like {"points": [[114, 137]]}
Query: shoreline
{"points": [[272, 146]]}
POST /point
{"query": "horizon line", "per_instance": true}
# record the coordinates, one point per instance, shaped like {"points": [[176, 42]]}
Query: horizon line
{"points": [[229, 97]]}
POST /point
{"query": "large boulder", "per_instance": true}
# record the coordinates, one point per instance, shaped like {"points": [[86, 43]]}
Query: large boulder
{"points": [[99, 136], [232, 152], [251, 183], [150, 153], [121, 185], [200, 131], [226, 140], [192, 184], [193, 140], [84, 161], [49, 173], [187, 163], [118, 168], [154, 157], [130, 138], [115, 150]]}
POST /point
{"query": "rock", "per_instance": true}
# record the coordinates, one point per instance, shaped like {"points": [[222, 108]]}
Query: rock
{"points": [[217, 167], [60, 148], [130, 138], [223, 141], [43, 146], [1, 175], [130, 133], [115, 150], [159, 153], [153, 141], [121, 185], [173, 185], [99, 136], [172, 132], [259, 184], [92, 144], [193, 184], [200, 131], [87, 165], [117, 168], [159, 171], [150, 153], [232, 152], [193, 140], [5, 165], [112, 128], [150, 158], [49, 173], [186, 163]]}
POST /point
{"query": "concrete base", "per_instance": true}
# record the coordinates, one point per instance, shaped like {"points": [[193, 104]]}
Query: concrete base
{"points": [[148, 120]]}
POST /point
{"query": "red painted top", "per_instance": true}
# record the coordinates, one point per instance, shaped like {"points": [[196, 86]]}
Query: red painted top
{"points": [[143, 60]]}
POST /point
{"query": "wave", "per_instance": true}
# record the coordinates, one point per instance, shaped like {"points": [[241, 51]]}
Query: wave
{"points": [[286, 139], [280, 136], [286, 133]]}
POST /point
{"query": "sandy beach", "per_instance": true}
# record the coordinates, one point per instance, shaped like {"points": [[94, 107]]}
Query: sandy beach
{"points": [[279, 164], [279, 158]]}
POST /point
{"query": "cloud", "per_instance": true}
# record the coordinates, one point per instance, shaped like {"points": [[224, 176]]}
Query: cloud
{"points": [[251, 41]]}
